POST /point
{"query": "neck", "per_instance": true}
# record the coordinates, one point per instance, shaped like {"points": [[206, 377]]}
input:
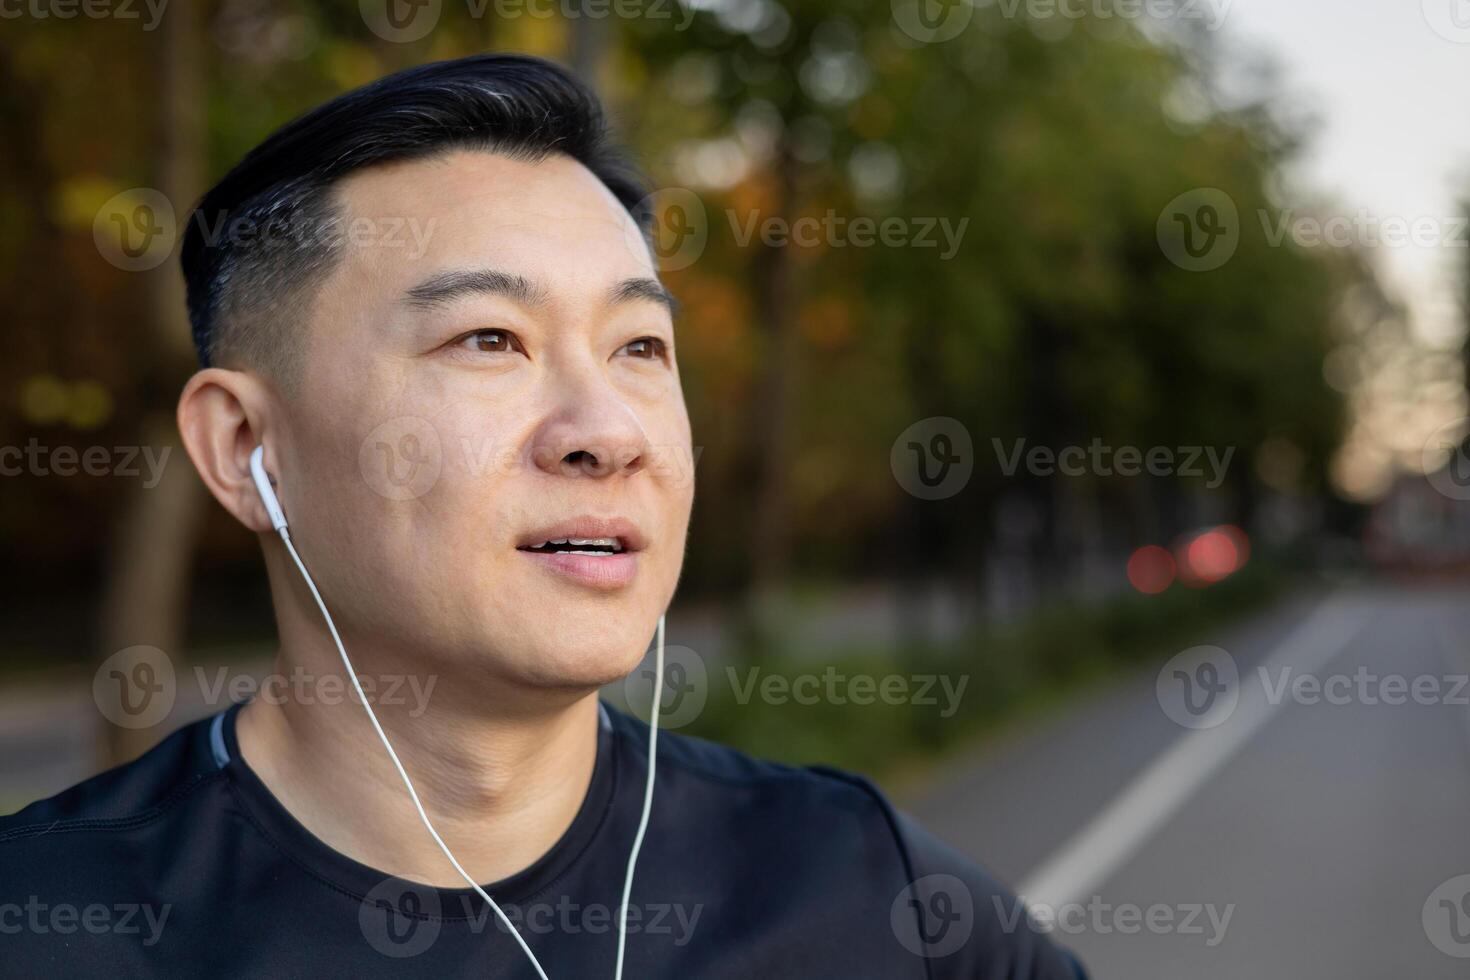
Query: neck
{"points": [[500, 789]]}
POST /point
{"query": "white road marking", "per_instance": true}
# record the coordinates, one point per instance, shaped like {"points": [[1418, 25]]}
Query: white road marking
{"points": [[1081, 865]]}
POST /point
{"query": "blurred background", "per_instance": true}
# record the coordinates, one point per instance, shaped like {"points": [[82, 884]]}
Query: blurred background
{"points": [[1055, 366]]}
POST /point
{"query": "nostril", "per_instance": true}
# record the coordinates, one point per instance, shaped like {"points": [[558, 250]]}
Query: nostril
{"points": [[581, 459]]}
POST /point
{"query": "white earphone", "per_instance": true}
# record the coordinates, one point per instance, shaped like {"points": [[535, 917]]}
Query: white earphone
{"points": [[264, 488], [278, 521]]}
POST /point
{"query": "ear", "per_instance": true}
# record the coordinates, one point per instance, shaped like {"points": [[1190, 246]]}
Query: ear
{"points": [[222, 417]]}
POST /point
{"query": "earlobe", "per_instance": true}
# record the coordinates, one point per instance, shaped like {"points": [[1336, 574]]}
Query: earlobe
{"points": [[221, 418]]}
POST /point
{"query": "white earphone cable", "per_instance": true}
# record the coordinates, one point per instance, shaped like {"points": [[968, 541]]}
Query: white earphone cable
{"points": [[424, 816], [658, 684]]}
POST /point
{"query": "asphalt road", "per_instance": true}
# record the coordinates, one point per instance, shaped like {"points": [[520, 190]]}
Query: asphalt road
{"points": [[1311, 821], [1315, 830], [49, 730]]}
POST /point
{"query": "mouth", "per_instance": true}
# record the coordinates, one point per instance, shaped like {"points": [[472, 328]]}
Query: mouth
{"points": [[578, 546], [599, 553], [585, 535]]}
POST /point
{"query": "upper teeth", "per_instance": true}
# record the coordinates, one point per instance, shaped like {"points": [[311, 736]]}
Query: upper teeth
{"points": [[580, 542]]}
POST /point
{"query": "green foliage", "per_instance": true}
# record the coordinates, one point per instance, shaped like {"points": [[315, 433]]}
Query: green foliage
{"points": [[1007, 673], [1058, 318]]}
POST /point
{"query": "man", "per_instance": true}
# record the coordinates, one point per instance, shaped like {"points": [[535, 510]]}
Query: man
{"points": [[471, 413]]}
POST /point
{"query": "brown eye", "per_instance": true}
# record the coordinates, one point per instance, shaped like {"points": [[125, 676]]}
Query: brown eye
{"points": [[491, 342], [649, 348]]}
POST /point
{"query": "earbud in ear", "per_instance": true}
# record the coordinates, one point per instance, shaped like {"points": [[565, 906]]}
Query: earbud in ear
{"points": [[263, 487]]}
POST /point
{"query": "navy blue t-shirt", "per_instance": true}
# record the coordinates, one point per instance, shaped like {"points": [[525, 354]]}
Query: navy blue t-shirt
{"points": [[183, 864]]}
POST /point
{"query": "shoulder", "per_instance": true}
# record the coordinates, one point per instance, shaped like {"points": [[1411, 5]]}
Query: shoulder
{"points": [[697, 772], [128, 798], [972, 924], [841, 829]]}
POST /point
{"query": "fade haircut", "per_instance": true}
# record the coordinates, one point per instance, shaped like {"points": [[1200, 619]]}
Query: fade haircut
{"points": [[256, 243]]}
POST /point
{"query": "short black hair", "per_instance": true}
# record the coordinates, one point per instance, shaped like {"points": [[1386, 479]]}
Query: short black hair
{"points": [[246, 255]]}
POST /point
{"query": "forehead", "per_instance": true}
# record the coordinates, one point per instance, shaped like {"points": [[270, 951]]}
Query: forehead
{"points": [[552, 219]]}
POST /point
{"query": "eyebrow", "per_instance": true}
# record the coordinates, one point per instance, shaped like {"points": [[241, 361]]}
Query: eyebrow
{"points": [[446, 287]]}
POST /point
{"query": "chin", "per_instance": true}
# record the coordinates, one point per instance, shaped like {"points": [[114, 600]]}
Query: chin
{"points": [[586, 669], [566, 661]]}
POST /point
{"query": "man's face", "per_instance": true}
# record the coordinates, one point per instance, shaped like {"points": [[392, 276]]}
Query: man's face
{"points": [[506, 379]]}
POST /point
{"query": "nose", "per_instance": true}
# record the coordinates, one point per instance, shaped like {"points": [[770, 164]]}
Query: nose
{"points": [[591, 431]]}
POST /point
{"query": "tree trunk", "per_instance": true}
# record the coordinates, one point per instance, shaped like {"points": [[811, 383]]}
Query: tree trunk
{"points": [[587, 42], [774, 415], [144, 596]]}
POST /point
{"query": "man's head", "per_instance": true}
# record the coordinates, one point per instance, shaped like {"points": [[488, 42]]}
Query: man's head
{"points": [[432, 300]]}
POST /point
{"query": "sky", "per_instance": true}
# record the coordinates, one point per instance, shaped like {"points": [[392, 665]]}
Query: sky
{"points": [[1392, 92], [1388, 81]]}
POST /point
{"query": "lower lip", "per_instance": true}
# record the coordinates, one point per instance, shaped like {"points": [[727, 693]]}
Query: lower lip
{"points": [[606, 572]]}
